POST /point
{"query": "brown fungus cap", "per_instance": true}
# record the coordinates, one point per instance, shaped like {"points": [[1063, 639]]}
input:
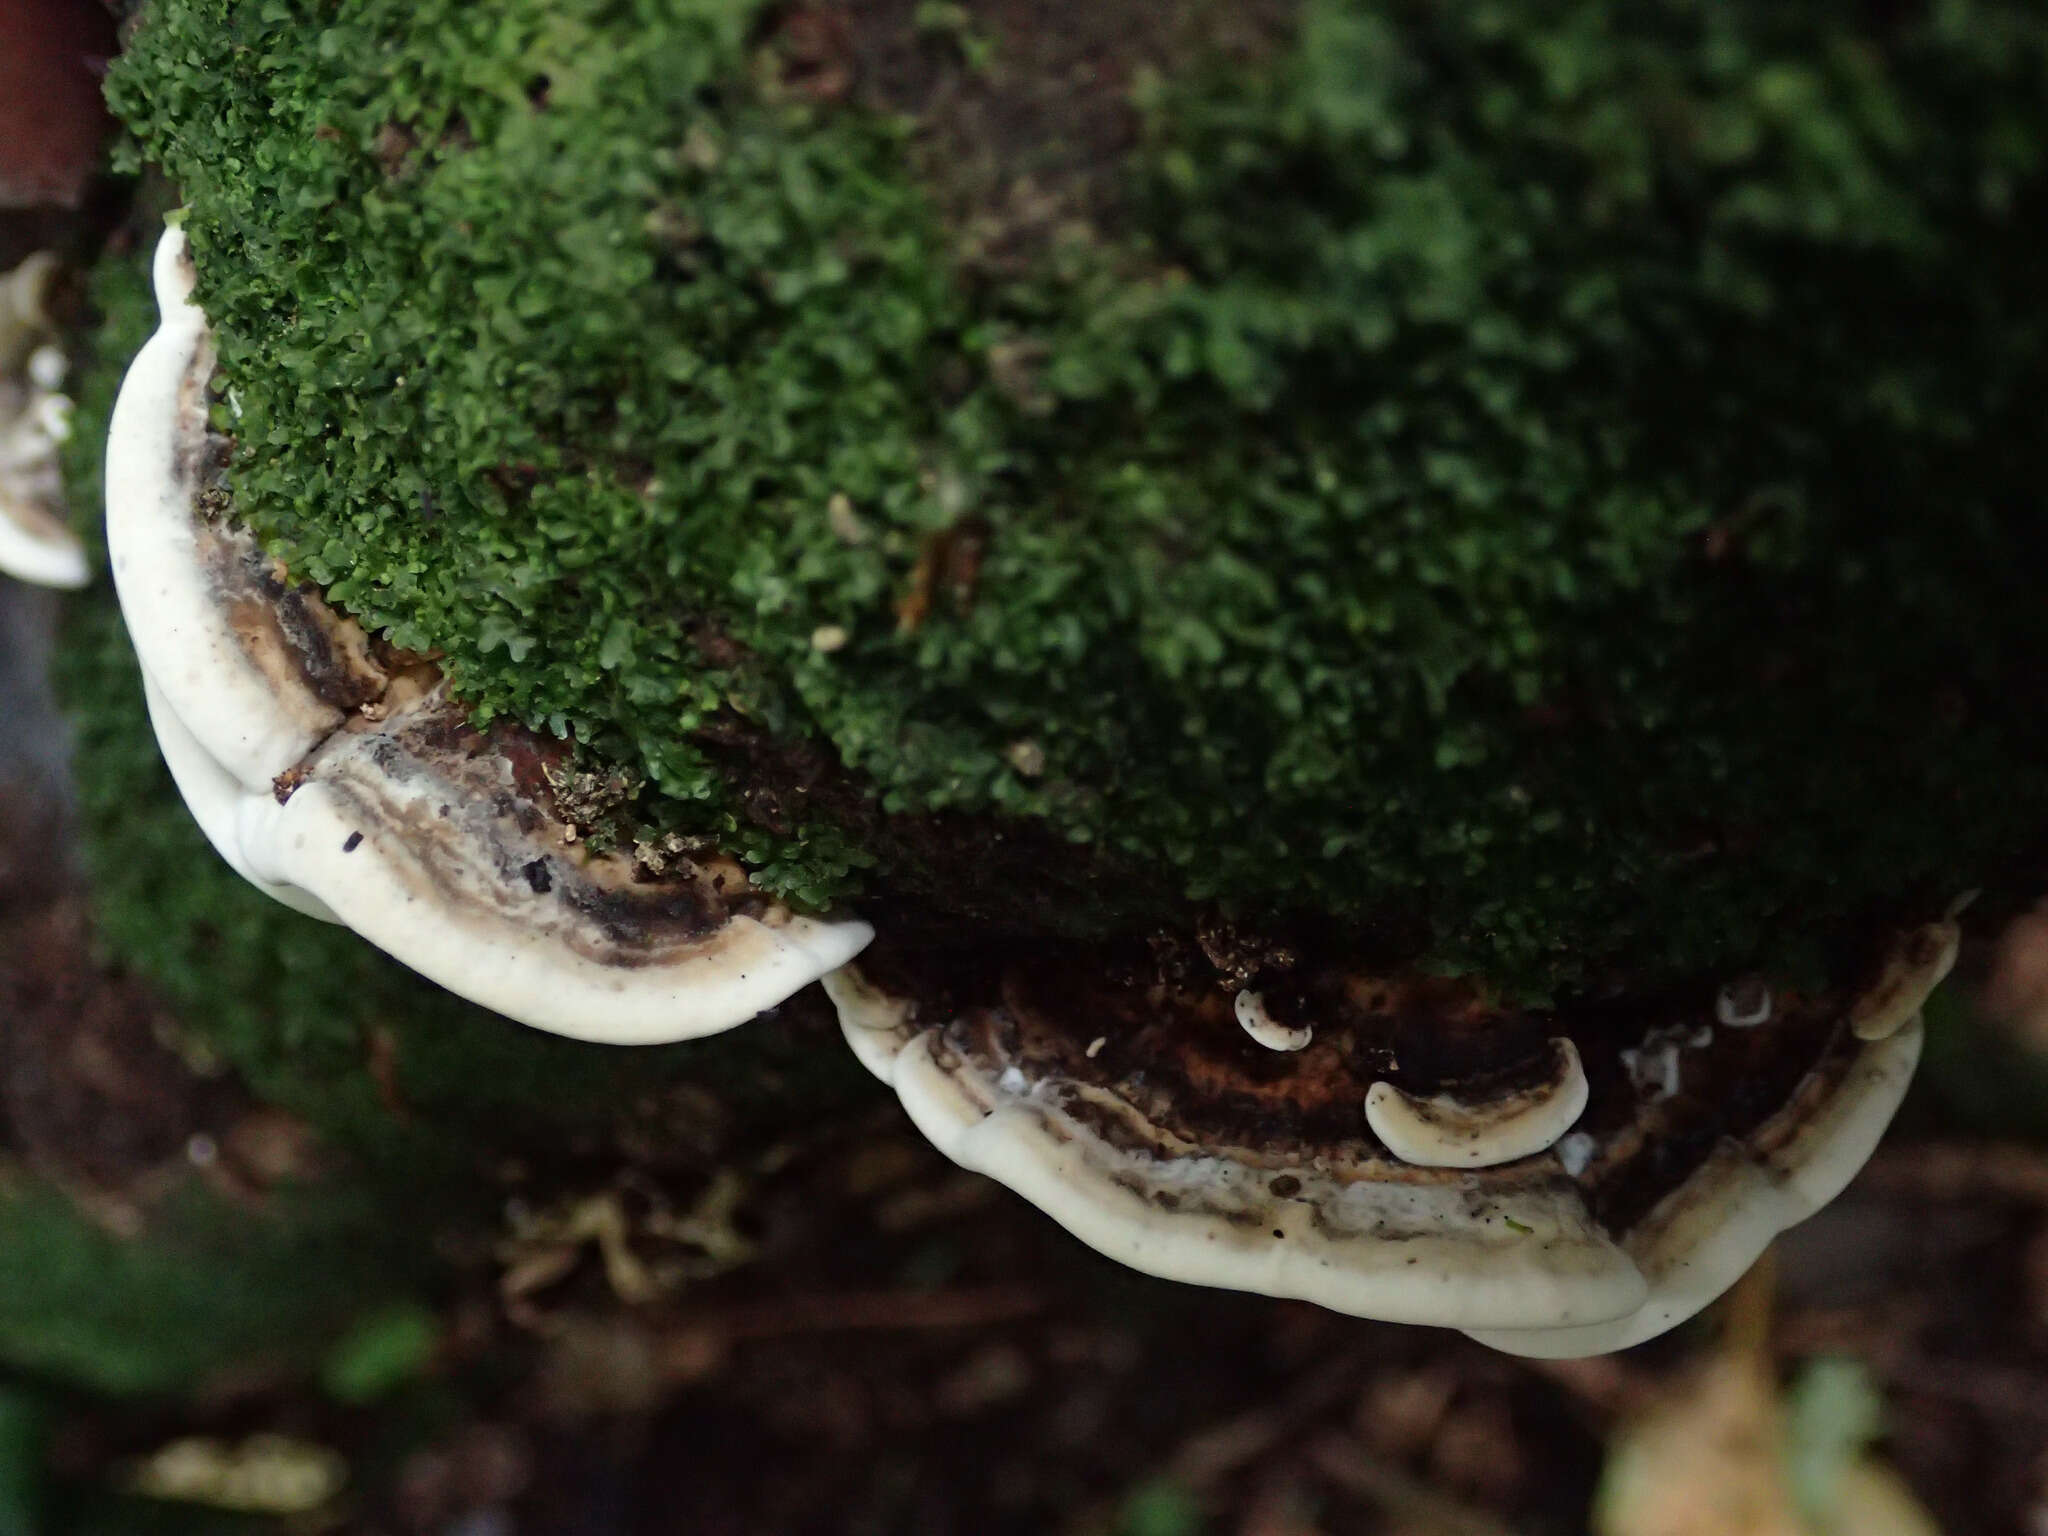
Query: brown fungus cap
{"points": [[1602, 1206]]}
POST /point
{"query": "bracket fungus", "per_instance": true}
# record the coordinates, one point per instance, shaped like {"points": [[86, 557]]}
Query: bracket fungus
{"points": [[1919, 964], [1432, 1157], [338, 775], [35, 545]]}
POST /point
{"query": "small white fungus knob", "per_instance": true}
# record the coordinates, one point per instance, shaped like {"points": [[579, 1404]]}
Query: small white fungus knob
{"points": [[1444, 1131], [1744, 1003], [1267, 1030]]}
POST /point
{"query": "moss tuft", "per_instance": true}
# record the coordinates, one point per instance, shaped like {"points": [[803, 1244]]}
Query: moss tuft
{"points": [[209, 1286]]}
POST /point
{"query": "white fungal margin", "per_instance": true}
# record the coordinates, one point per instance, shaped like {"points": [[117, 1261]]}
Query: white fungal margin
{"points": [[1918, 963], [353, 789], [1445, 1131], [214, 798], [35, 420], [1575, 1153], [874, 1023], [181, 578], [1703, 1236], [1373, 1237]]}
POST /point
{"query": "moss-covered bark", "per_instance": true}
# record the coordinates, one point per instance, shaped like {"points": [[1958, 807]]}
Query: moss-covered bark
{"points": [[1558, 485], [1558, 479]]}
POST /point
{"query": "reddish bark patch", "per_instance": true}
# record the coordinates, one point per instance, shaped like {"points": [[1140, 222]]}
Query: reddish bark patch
{"points": [[52, 118]]}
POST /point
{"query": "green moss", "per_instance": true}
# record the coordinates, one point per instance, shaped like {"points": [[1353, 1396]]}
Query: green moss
{"points": [[1566, 474], [380, 1353]]}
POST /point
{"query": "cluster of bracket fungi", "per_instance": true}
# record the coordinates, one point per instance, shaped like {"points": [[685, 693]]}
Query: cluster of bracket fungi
{"points": [[1391, 1145]]}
